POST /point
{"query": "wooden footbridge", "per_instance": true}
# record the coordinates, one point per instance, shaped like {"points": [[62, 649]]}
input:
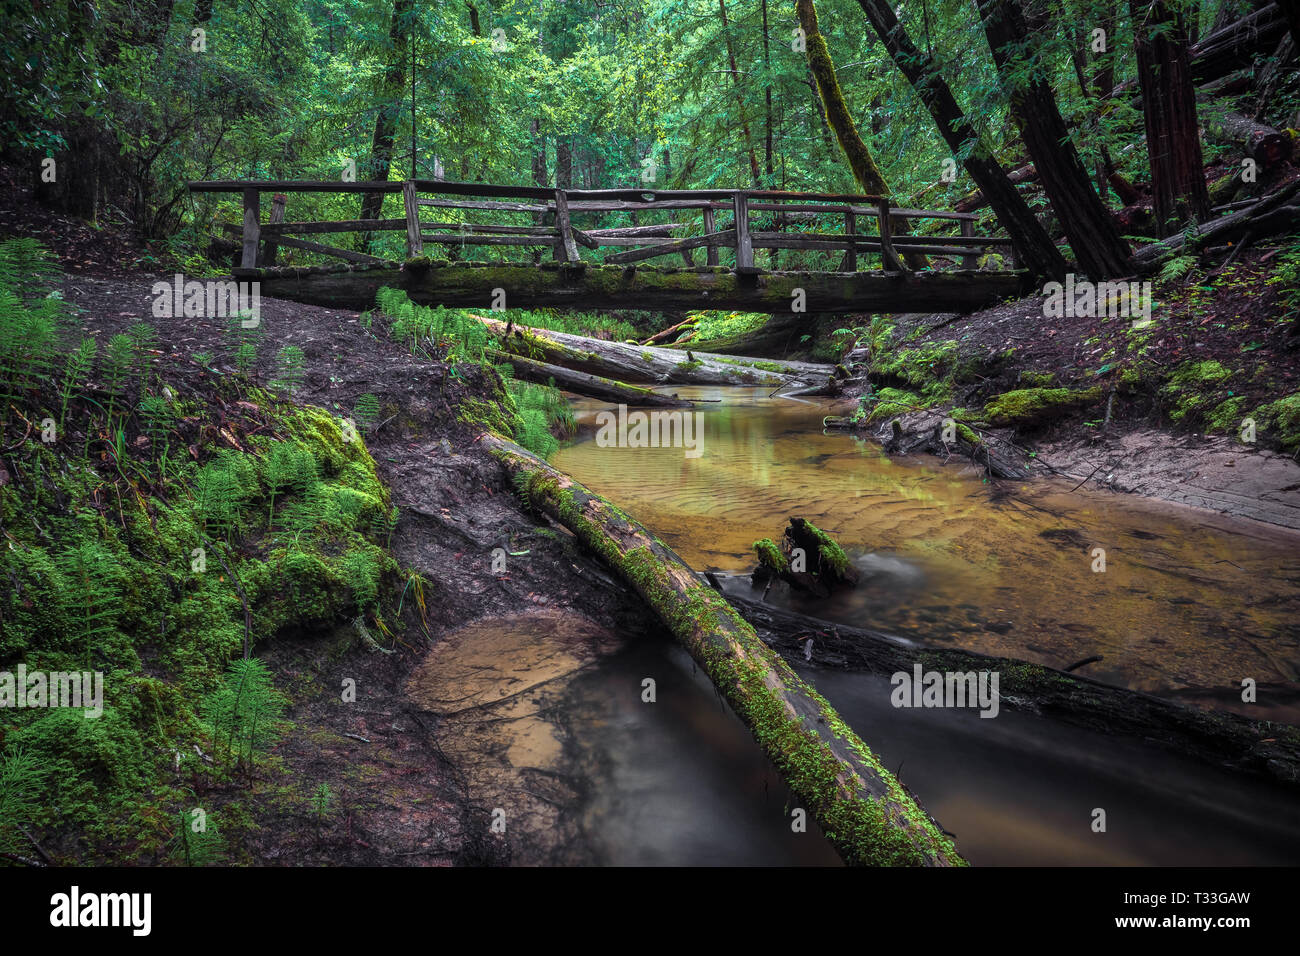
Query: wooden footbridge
{"points": [[641, 225]]}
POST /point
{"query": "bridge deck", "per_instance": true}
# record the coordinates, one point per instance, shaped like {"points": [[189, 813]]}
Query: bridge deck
{"points": [[586, 288]]}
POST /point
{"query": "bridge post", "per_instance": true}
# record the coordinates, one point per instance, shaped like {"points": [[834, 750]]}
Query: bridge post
{"points": [[252, 226], [565, 227], [968, 232], [888, 254], [710, 226], [272, 248], [414, 241], [850, 263], [744, 245]]}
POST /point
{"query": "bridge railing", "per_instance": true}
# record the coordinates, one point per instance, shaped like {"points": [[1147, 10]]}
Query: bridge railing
{"points": [[565, 220]]}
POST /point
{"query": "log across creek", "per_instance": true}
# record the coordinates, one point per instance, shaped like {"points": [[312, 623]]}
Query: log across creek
{"points": [[865, 812]]}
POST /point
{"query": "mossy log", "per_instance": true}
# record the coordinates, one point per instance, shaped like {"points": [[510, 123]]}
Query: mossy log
{"points": [[1221, 739], [866, 814], [642, 363], [592, 287], [581, 383]]}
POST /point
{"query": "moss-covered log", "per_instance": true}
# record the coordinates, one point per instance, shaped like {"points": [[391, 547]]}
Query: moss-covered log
{"points": [[581, 383], [642, 363], [868, 816], [593, 287], [1221, 739]]}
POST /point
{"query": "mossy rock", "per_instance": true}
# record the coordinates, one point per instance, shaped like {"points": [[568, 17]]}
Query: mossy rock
{"points": [[1027, 406]]}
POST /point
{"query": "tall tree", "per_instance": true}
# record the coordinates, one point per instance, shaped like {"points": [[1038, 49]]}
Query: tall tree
{"points": [[390, 104], [740, 100], [1178, 187], [1093, 236], [1033, 247], [862, 164]]}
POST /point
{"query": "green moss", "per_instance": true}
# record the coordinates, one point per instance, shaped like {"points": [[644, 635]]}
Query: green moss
{"points": [[1194, 389], [770, 556], [1026, 406], [889, 402], [1280, 420], [1037, 379]]}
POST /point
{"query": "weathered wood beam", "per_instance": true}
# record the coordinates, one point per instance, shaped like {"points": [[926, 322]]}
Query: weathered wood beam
{"points": [[414, 243], [323, 249], [672, 246], [252, 227], [470, 284], [567, 242], [278, 203], [342, 225]]}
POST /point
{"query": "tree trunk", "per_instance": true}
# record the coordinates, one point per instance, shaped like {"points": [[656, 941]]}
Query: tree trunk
{"points": [[646, 364], [863, 165], [1034, 248], [740, 100], [581, 383], [1093, 236], [1169, 113], [865, 813], [390, 100]]}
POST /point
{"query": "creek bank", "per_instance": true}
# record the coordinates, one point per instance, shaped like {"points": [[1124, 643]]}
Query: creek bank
{"points": [[1200, 407], [397, 796]]}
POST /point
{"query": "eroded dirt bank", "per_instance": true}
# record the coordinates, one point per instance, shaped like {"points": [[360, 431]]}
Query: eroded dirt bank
{"points": [[1200, 405]]}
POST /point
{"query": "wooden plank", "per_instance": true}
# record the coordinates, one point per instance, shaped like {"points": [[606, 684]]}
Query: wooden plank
{"points": [[566, 228], [672, 246], [414, 243], [744, 247], [323, 249], [473, 239], [663, 229], [293, 186], [342, 225], [269, 249], [899, 242], [252, 228], [889, 257], [485, 204], [860, 243], [470, 228], [711, 252]]}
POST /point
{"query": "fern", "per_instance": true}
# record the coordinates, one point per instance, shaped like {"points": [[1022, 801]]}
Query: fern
{"points": [[1176, 268], [117, 368], [20, 792], [366, 412], [291, 371], [95, 599], [80, 362], [246, 711], [198, 847]]}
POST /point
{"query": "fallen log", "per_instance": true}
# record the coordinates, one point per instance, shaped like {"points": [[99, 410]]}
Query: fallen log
{"points": [[1272, 215], [1218, 738], [582, 383], [866, 814], [639, 363], [1265, 145], [976, 200]]}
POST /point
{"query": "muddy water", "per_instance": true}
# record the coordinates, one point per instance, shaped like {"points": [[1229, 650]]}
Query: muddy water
{"points": [[546, 717], [1188, 604]]}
